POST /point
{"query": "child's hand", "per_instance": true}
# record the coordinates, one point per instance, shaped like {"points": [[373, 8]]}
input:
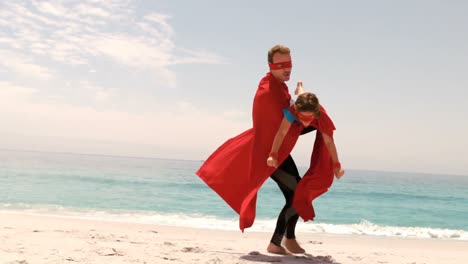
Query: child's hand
{"points": [[299, 88], [339, 172], [272, 162]]}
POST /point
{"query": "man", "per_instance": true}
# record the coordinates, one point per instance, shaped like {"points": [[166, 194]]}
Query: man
{"points": [[272, 89], [237, 169]]}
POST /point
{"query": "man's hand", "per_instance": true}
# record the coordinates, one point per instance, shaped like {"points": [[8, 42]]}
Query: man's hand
{"points": [[272, 162], [339, 172]]}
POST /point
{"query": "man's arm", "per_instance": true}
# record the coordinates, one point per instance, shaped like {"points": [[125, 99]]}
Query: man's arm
{"points": [[272, 160]]}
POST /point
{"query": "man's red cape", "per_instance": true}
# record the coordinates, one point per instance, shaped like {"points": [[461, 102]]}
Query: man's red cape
{"points": [[237, 169]]}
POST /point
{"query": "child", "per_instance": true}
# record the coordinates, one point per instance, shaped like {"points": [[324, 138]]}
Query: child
{"points": [[305, 110]]}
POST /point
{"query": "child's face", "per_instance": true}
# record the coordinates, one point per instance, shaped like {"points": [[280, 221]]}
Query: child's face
{"points": [[306, 118]]}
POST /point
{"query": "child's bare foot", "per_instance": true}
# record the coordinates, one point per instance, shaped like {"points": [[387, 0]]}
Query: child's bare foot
{"points": [[292, 246], [299, 88], [272, 248]]}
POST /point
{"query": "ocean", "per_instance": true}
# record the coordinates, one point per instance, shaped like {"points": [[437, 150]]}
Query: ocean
{"points": [[167, 192]]}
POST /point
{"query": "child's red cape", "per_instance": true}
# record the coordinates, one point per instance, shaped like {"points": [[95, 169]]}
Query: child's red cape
{"points": [[237, 169]]}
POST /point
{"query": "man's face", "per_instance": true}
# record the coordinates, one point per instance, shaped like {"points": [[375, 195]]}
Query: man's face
{"points": [[281, 74]]}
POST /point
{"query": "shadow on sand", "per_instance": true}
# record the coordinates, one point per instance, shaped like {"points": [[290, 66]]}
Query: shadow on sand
{"points": [[289, 259]]}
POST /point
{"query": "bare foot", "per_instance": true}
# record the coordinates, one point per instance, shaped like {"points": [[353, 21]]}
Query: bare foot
{"points": [[292, 246], [272, 248]]}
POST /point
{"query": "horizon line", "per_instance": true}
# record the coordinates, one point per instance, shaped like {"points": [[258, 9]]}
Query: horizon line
{"points": [[192, 160]]}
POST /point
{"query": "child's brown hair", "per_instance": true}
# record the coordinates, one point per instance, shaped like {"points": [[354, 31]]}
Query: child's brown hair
{"points": [[308, 102]]}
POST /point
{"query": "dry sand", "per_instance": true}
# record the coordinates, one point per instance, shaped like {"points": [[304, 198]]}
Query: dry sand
{"points": [[31, 239]]}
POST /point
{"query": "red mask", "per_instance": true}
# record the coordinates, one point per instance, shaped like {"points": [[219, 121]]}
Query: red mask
{"points": [[280, 65], [304, 117]]}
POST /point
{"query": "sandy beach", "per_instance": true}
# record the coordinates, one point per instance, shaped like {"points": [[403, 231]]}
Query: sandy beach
{"points": [[47, 239]]}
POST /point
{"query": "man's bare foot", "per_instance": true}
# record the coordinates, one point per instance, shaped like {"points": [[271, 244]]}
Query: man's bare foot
{"points": [[272, 248], [292, 246]]}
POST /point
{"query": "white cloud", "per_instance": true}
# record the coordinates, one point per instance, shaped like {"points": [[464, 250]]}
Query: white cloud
{"points": [[12, 93], [92, 11], [55, 9], [131, 51], [63, 34], [183, 126], [191, 56], [80, 55], [23, 66], [158, 19]]}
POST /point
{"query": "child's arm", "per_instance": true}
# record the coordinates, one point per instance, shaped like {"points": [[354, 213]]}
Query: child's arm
{"points": [[334, 155], [272, 160]]}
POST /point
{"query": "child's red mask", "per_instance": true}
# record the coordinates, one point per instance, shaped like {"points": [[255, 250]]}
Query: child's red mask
{"points": [[305, 118]]}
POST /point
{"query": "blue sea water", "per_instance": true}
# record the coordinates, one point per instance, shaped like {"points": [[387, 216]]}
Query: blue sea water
{"points": [[167, 192]]}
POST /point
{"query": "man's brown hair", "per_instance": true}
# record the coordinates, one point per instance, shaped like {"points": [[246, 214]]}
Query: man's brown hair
{"points": [[277, 49]]}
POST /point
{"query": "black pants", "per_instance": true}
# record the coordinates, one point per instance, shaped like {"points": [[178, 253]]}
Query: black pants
{"points": [[287, 177]]}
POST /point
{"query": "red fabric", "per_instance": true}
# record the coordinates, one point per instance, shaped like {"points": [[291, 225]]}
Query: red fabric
{"points": [[237, 169], [280, 65], [319, 177]]}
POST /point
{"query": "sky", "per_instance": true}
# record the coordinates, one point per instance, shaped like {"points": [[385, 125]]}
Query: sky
{"points": [[175, 79]]}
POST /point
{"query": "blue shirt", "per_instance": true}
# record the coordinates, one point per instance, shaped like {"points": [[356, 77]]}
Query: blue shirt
{"points": [[289, 116]]}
